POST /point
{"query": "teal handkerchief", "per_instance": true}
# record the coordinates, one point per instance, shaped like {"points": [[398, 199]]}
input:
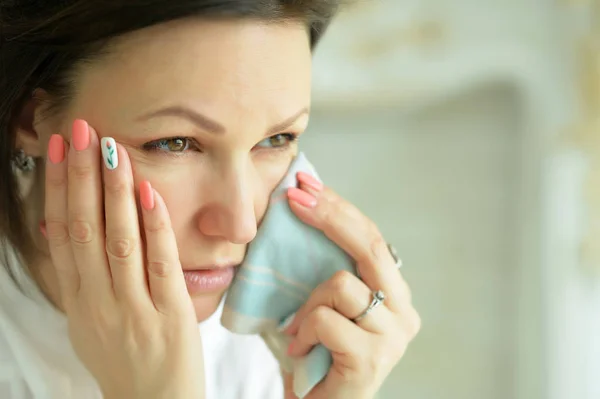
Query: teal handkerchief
{"points": [[284, 263]]}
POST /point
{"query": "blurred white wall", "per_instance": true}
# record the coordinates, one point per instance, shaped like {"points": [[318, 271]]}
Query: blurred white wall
{"points": [[447, 122]]}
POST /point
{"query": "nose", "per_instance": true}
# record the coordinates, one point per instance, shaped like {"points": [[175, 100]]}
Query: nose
{"points": [[229, 212]]}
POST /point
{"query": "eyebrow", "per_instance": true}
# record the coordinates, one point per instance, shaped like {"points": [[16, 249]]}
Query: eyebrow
{"points": [[212, 126]]}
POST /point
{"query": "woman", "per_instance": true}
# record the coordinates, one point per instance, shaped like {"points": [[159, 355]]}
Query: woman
{"points": [[112, 257]]}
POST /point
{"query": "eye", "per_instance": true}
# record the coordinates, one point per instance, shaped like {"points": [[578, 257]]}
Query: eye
{"points": [[172, 144], [278, 141]]}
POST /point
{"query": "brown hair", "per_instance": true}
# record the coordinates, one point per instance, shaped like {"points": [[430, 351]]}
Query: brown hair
{"points": [[41, 43]]}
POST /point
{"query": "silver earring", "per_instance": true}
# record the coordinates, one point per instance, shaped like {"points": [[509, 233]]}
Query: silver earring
{"points": [[23, 161]]}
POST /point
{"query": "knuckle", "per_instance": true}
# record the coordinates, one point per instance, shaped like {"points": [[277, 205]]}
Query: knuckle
{"points": [[80, 231], [373, 362], [117, 189], [395, 351], [386, 354], [58, 182], [57, 231], [319, 316], [160, 268], [120, 248], [80, 172], [377, 249], [158, 226], [342, 281], [415, 324]]}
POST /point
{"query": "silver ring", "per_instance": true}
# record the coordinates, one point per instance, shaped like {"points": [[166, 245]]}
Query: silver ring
{"points": [[378, 298], [394, 254]]}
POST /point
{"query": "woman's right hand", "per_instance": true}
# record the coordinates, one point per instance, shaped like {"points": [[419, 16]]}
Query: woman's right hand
{"points": [[131, 320]]}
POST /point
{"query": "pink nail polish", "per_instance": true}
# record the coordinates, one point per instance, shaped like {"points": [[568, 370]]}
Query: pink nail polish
{"points": [[290, 349], [43, 229], [81, 135], [302, 197], [56, 149], [310, 181], [146, 195]]}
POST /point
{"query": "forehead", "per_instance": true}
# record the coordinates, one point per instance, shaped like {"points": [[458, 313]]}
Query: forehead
{"points": [[212, 65]]}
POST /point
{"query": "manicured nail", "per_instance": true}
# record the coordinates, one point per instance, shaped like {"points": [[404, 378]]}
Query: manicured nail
{"points": [[56, 149], [81, 135], [310, 181], [146, 195], [109, 152], [290, 349], [43, 229], [302, 197], [286, 323]]}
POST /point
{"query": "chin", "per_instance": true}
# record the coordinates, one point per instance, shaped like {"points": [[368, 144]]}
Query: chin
{"points": [[205, 305]]}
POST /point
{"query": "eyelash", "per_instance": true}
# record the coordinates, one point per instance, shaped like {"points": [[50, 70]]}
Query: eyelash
{"points": [[155, 146]]}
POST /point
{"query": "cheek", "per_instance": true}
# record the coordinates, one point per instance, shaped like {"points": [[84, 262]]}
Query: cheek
{"points": [[270, 174], [182, 187], [174, 187]]}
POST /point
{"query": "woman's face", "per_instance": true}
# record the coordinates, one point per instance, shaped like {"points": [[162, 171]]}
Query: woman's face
{"points": [[207, 111]]}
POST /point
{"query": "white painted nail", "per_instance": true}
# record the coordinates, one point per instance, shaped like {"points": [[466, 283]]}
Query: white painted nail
{"points": [[286, 323], [109, 152]]}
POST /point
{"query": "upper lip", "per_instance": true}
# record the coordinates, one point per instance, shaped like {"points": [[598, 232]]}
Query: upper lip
{"points": [[209, 266]]}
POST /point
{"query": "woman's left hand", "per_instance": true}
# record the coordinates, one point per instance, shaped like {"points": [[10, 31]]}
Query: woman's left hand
{"points": [[364, 352]]}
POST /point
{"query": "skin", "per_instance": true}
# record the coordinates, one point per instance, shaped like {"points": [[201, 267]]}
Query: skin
{"points": [[260, 78], [249, 77]]}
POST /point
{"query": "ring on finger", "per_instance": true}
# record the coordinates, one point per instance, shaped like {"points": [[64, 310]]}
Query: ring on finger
{"points": [[378, 298]]}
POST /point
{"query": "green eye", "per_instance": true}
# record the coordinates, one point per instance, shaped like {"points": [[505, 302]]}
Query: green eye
{"points": [[278, 141], [177, 145], [174, 144]]}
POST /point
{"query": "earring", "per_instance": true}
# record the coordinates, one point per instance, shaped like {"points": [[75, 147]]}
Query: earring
{"points": [[23, 161]]}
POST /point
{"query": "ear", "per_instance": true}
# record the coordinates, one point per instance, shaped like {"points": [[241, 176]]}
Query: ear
{"points": [[28, 137]]}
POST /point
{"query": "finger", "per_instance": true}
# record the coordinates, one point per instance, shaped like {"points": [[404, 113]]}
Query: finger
{"points": [[411, 320], [123, 240], [86, 226], [56, 219], [165, 276], [327, 327], [347, 295], [288, 385], [345, 225]]}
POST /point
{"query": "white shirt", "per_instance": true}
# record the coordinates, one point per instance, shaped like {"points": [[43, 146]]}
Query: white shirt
{"points": [[37, 359]]}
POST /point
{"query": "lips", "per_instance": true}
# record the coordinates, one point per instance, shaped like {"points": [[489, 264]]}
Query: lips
{"points": [[212, 266], [207, 279]]}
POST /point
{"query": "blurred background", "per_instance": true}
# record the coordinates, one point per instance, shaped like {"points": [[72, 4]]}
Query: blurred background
{"points": [[469, 131]]}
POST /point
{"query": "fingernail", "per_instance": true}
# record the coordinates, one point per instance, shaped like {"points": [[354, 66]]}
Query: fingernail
{"points": [[109, 152], [290, 349], [286, 323], [56, 149], [146, 195], [81, 135], [43, 229], [310, 181], [302, 197]]}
